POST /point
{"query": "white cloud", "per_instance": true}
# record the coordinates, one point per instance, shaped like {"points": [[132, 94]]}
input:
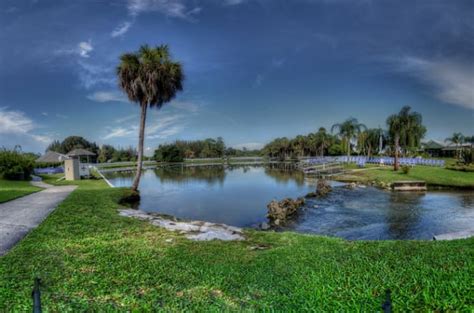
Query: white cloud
{"points": [[120, 132], [59, 115], [172, 8], [107, 96], [126, 118], [121, 29], [162, 127], [185, 105], [451, 82], [233, 2], [92, 74], [249, 145], [84, 48], [258, 80], [278, 62], [16, 123]]}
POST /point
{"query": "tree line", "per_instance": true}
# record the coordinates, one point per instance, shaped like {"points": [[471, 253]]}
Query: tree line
{"points": [[402, 137], [104, 153], [403, 134]]}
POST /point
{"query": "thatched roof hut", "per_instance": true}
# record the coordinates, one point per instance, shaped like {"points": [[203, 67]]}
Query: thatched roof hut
{"points": [[52, 157], [78, 153]]}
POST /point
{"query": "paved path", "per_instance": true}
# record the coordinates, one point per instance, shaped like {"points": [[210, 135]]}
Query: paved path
{"points": [[20, 216]]}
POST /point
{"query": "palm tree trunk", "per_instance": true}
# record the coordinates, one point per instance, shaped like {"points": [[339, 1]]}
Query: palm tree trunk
{"points": [[141, 139], [348, 147], [397, 148]]}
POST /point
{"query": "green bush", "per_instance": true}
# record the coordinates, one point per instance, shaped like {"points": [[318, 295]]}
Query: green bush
{"points": [[15, 165], [461, 167], [169, 153], [405, 169], [467, 156]]}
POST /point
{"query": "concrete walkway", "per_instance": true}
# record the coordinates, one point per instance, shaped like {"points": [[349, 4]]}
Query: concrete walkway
{"points": [[18, 217]]}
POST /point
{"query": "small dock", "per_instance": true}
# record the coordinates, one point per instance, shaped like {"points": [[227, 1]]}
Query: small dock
{"points": [[409, 185], [322, 169]]}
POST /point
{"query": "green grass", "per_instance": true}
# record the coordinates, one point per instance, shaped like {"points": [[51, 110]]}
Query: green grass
{"points": [[434, 176], [10, 189], [91, 259]]}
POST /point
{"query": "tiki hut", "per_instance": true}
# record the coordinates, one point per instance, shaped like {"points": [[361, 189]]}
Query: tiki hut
{"points": [[52, 157], [80, 154]]}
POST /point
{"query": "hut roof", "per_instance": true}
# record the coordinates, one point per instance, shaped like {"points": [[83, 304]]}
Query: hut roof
{"points": [[455, 147], [52, 157], [80, 152], [432, 145]]}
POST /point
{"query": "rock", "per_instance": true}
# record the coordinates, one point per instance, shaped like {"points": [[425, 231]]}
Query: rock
{"points": [[280, 212], [264, 226], [322, 188], [194, 230], [350, 185]]}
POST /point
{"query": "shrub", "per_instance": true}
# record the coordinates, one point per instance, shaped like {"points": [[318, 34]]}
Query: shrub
{"points": [[467, 156], [405, 169], [15, 165], [169, 153]]}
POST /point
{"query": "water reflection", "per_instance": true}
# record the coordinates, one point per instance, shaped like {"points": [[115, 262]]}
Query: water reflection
{"points": [[238, 195], [403, 213], [284, 175], [180, 173]]}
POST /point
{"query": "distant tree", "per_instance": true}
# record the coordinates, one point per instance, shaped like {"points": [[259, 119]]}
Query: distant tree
{"points": [[150, 78], [106, 153], [169, 153], [73, 142], [457, 139], [54, 146], [124, 155], [323, 140], [349, 130], [368, 141], [405, 127]]}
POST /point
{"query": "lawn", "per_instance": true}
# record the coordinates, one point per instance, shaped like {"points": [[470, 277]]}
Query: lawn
{"points": [[10, 189], [434, 176], [91, 259]]}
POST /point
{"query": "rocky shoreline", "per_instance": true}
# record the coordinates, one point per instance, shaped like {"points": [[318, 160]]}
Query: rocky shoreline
{"points": [[193, 230]]}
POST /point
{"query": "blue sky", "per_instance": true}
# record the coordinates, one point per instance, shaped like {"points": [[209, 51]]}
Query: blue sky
{"points": [[255, 69]]}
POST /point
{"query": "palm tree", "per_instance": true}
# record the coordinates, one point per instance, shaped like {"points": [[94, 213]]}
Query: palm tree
{"points": [[457, 139], [150, 78], [368, 140], [406, 127], [348, 130], [322, 140]]}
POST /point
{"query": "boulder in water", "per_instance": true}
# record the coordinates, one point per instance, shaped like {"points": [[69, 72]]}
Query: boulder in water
{"points": [[280, 211], [322, 189], [351, 185]]}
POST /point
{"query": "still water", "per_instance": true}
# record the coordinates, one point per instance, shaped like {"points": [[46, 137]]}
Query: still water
{"points": [[238, 196]]}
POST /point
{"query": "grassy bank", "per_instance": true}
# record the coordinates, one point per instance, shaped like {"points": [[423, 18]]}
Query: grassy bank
{"points": [[91, 259], [434, 176], [10, 189]]}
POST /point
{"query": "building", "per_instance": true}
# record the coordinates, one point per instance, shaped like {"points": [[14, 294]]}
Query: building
{"points": [[82, 155], [52, 157], [441, 150]]}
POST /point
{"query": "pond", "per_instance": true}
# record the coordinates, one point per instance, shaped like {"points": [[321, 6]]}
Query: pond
{"points": [[238, 195]]}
